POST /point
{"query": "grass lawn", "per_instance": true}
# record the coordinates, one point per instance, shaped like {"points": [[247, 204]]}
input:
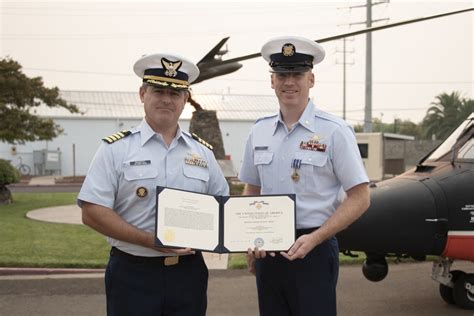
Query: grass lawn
{"points": [[29, 243], [239, 261]]}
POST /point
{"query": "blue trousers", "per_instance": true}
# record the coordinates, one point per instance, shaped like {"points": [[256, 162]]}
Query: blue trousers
{"points": [[302, 287], [146, 286]]}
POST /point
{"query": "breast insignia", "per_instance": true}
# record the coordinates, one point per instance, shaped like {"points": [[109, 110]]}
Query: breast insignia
{"points": [[117, 136], [202, 141]]}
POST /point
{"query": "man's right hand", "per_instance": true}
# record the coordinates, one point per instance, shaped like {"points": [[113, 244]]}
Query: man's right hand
{"points": [[253, 255], [251, 261]]}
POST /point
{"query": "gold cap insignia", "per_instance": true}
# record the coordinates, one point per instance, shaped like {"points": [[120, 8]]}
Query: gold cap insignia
{"points": [[171, 67], [142, 192], [288, 50]]}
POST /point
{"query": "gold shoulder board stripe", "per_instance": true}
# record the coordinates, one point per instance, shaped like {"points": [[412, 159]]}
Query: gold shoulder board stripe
{"points": [[202, 141], [117, 136]]}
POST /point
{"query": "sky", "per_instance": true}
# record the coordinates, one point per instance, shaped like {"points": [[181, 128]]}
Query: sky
{"points": [[92, 46]]}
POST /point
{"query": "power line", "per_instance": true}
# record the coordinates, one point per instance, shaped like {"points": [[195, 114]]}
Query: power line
{"points": [[81, 72], [253, 80], [141, 35], [260, 80], [381, 109], [156, 11]]}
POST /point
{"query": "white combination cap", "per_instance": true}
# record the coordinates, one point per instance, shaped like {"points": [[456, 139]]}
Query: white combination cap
{"points": [[292, 54], [166, 70]]}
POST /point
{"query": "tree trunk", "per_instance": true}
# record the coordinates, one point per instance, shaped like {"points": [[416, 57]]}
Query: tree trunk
{"points": [[205, 124], [5, 195]]}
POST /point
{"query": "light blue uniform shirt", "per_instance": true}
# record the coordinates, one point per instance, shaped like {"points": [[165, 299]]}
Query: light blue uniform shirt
{"points": [[143, 160], [324, 154]]}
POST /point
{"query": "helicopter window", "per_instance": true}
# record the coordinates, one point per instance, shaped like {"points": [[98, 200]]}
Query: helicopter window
{"points": [[467, 151], [448, 144]]}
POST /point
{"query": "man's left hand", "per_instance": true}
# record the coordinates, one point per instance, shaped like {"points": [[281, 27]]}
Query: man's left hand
{"points": [[302, 246]]}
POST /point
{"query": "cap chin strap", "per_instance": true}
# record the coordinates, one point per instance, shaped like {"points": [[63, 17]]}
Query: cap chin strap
{"points": [[147, 78]]}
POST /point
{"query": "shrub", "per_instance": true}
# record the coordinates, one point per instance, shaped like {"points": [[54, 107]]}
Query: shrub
{"points": [[236, 188], [8, 173]]}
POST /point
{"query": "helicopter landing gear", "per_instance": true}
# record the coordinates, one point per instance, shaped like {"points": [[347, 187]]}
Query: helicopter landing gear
{"points": [[463, 291], [375, 267], [456, 287], [446, 291]]}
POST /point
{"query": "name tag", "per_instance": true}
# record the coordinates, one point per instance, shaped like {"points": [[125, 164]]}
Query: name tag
{"points": [[261, 148], [140, 163]]}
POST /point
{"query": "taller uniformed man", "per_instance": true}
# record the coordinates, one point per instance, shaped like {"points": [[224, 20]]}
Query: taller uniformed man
{"points": [[313, 154], [118, 197]]}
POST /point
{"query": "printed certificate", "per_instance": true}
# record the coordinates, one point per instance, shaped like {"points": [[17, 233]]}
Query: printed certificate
{"points": [[224, 224]]}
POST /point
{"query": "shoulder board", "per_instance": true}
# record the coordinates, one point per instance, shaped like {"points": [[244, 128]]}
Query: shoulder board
{"points": [[266, 117], [202, 141], [330, 117], [117, 136]]}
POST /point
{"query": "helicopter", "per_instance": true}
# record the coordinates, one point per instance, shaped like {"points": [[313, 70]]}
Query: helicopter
{"points": [[428, 210], [212, 65]]}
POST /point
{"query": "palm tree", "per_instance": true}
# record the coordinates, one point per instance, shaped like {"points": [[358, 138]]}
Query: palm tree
{"points": [[447, 112]]}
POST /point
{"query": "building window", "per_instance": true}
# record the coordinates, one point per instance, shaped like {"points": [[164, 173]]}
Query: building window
{"points": [[364, 150]]}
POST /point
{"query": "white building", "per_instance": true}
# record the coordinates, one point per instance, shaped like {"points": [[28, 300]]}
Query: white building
{"points": [[105, 113], [383, 153]]}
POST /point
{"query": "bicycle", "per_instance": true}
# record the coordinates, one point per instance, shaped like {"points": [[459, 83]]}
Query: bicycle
{"points": [[24, 169]]}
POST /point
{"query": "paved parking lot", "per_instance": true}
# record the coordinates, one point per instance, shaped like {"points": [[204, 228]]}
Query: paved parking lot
{"points": [[408, 290]]}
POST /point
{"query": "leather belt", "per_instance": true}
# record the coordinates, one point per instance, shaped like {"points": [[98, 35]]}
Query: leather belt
{"points": [[165, 260]]}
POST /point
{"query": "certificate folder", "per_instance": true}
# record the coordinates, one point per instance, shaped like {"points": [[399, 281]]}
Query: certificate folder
{"points": [[224, 224]]}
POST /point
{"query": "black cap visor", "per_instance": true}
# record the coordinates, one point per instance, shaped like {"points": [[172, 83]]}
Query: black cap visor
{"points": [[287, 69], [295, 63]]}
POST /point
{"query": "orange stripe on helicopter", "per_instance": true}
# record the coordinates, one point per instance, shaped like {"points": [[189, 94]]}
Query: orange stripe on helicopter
{"points": [[460, 245]]}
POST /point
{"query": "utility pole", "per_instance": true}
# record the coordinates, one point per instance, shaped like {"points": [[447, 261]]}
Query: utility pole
{"points": [[344, 79], [368, 73], [344, 63], [368, 63]]}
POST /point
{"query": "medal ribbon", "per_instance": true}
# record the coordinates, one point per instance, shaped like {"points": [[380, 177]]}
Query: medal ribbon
{"points": [[296, 164]]}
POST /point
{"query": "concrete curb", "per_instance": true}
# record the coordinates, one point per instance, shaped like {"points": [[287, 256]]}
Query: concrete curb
{"points": [[23, 185], [46, 271]]}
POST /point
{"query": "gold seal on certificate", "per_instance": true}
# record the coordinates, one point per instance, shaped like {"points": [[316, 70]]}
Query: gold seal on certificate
{"points": [[169, 235], [224, 224]]}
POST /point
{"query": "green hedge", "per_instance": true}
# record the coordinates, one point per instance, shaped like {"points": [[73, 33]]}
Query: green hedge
{"points": [[8, 173]]}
